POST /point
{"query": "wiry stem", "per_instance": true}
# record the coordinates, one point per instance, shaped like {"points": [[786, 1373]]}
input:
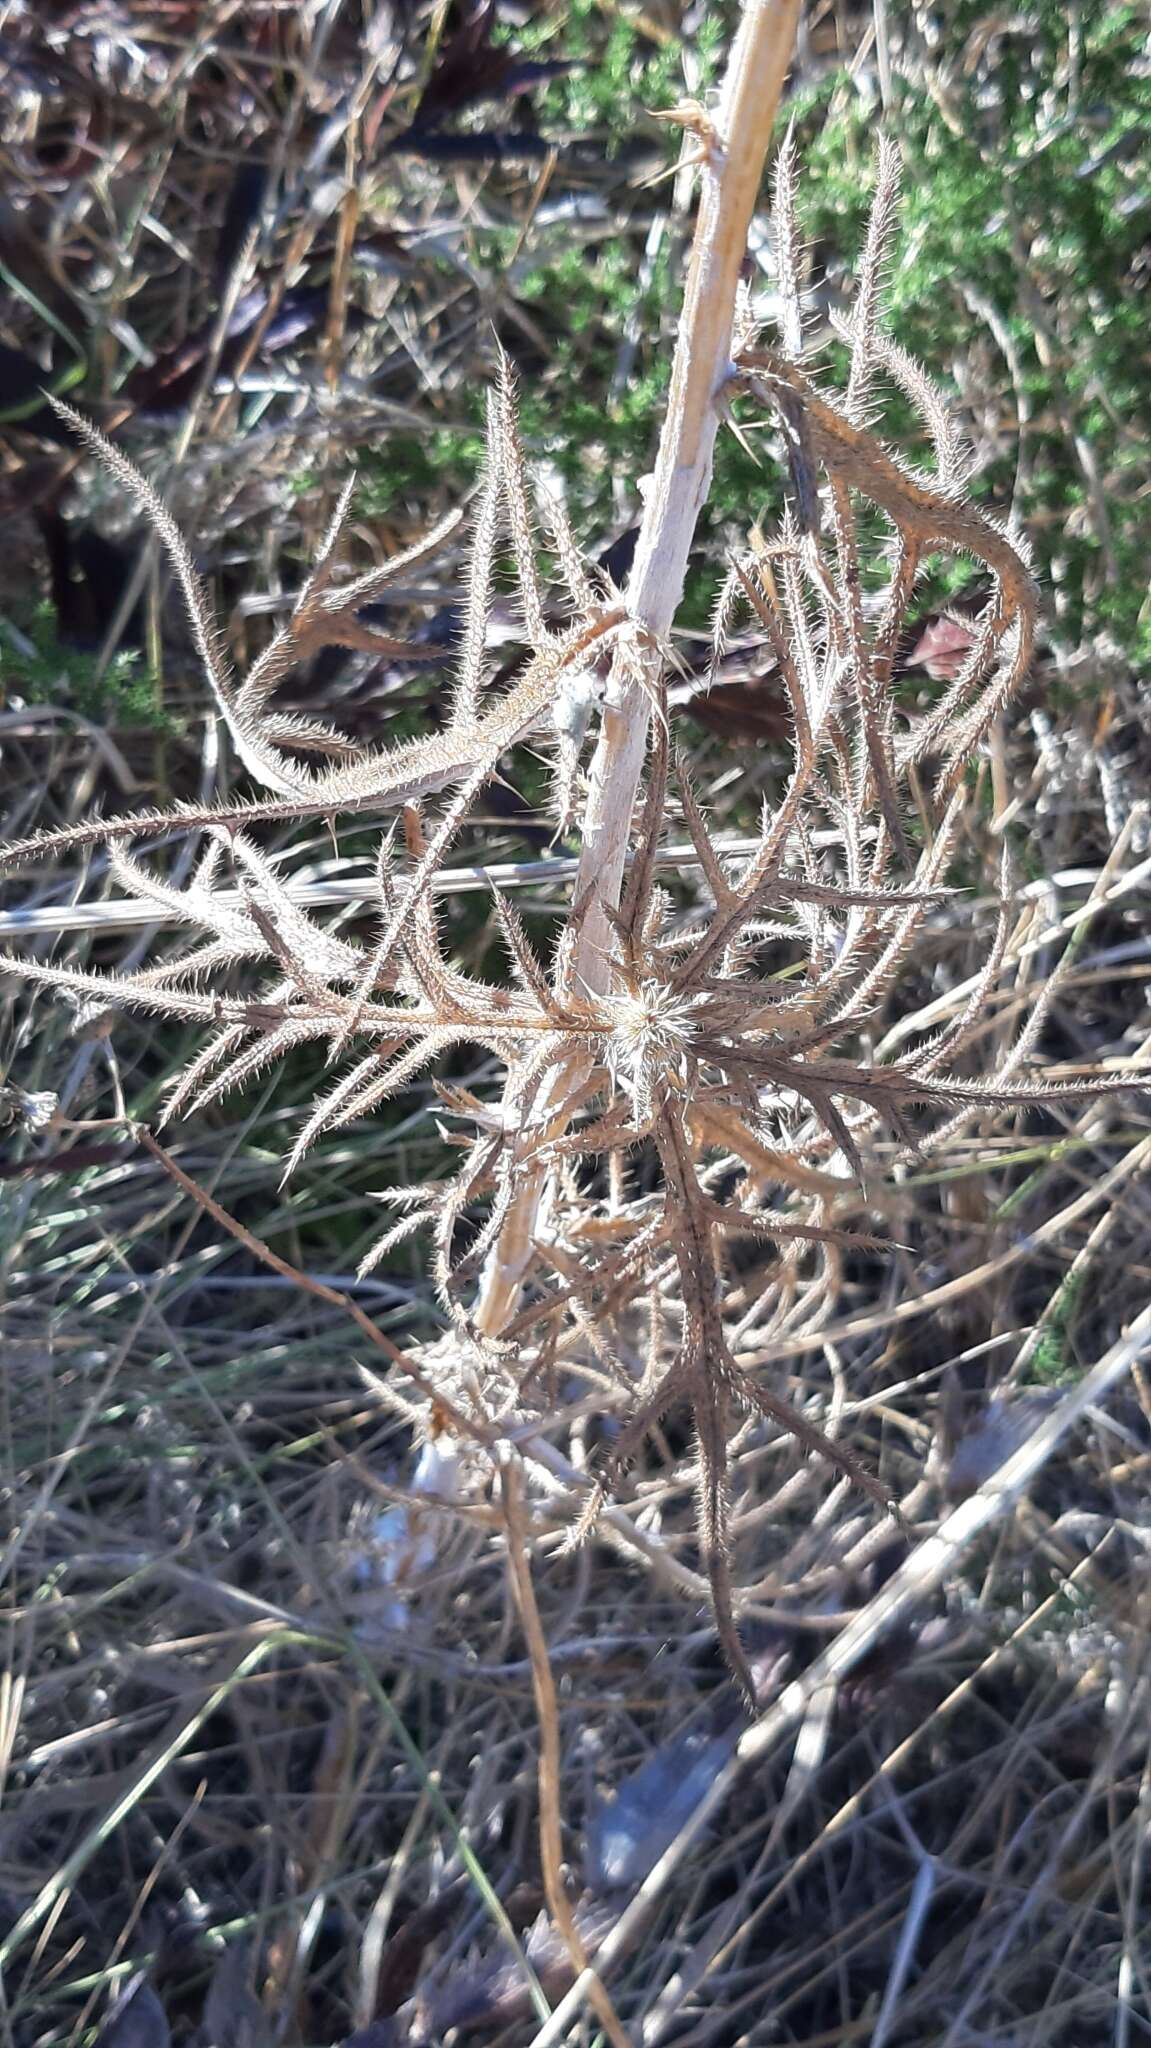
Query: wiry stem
{"points": [[732, 168]]}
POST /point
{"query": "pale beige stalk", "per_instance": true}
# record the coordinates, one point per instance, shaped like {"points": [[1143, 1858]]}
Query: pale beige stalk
{"points": [[733, 147]]}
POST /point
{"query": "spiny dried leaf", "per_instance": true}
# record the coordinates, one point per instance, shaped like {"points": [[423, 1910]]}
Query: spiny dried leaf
{"points": [[710, 1115]]}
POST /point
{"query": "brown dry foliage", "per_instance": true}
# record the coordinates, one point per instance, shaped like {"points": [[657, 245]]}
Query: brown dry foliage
{"points": [[727, 1094]]}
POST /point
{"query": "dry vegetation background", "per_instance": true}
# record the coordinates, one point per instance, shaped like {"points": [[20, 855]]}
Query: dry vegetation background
{"points": [[269, 1724]]}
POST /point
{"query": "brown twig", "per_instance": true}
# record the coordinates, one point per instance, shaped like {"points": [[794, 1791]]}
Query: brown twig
{"points": [[549, 1769]]}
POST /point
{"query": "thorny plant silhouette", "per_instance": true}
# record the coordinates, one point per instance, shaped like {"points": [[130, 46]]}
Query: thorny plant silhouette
{"points": [[729, 1046]]}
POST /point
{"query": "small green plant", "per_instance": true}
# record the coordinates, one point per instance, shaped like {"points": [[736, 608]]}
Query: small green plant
{"points": [[1053, 1363], [40, 667]]}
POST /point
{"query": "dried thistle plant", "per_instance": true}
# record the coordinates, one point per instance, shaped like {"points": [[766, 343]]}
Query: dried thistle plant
{"points": [[726, 1050]]}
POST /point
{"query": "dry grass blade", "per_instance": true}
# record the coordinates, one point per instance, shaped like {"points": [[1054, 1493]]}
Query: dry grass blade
{"points": [[924, 1570]]}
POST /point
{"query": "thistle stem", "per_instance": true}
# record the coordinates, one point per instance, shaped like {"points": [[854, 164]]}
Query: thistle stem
{"points": [[734, 147], [731, 173]]}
